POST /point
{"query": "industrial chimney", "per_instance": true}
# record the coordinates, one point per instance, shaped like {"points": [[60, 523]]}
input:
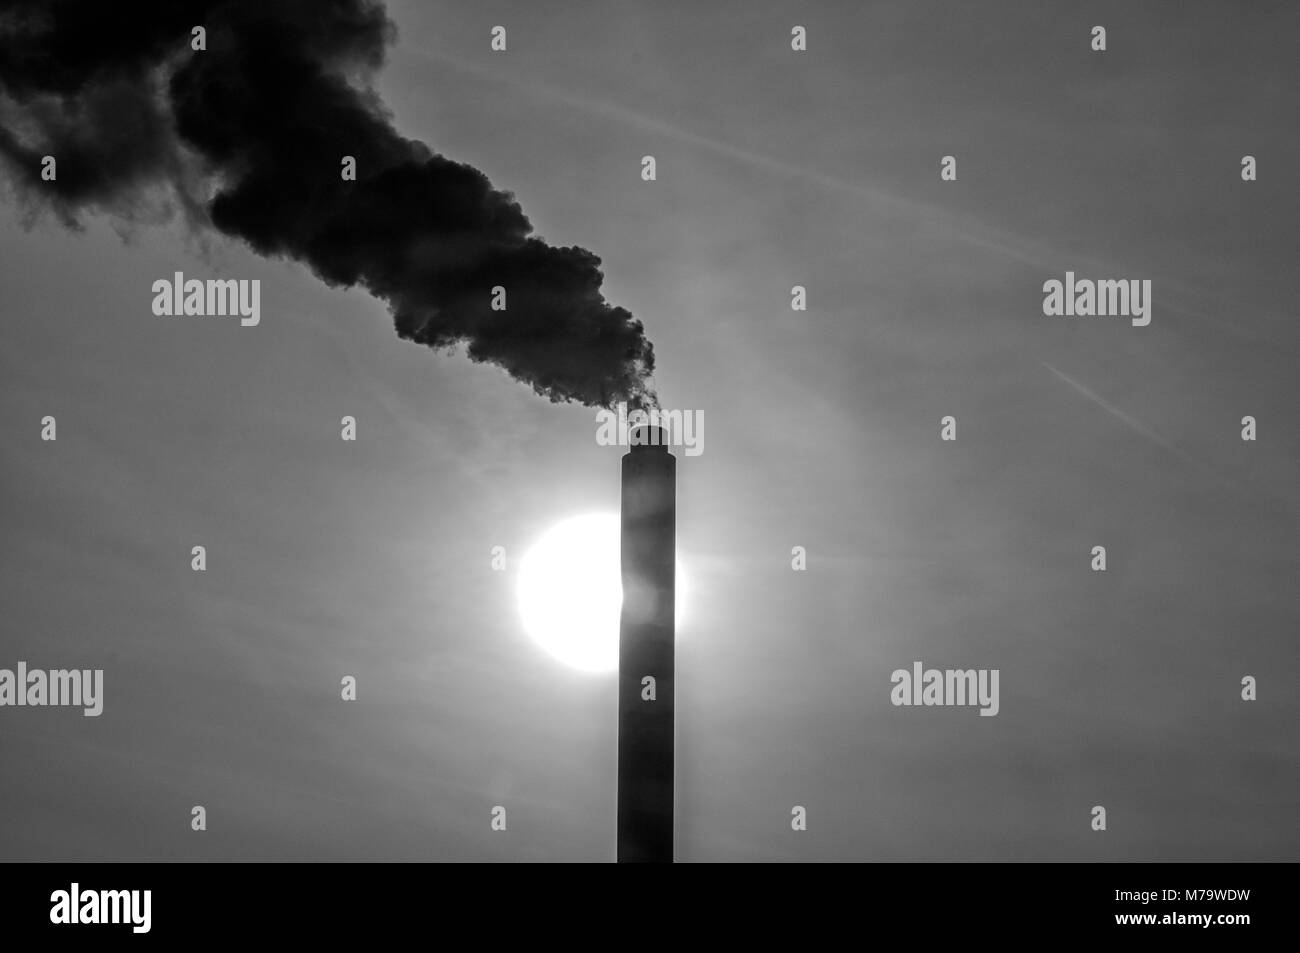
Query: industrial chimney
{"points": [[645, 649]]}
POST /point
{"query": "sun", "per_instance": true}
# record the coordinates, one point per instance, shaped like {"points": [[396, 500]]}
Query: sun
{"points": [[570, 592]]}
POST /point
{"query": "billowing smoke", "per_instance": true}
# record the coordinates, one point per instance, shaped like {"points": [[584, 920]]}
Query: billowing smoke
{"points": [[248, 136]]}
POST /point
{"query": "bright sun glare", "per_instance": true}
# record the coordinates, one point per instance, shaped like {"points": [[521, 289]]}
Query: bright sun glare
{"points": [[570, 592]]}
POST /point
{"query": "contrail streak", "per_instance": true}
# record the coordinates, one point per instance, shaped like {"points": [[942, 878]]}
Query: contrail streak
{"points": [[1132, 422], [941, 218]]}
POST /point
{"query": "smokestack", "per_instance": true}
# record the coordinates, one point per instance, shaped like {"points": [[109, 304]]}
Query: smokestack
{"points": [[645, 649]]}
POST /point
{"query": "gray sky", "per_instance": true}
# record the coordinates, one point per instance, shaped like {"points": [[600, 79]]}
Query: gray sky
{"points": [[822, 430]]}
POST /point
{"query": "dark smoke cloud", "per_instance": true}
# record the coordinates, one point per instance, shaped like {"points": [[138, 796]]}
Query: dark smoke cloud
{"points": [[248, 136]]}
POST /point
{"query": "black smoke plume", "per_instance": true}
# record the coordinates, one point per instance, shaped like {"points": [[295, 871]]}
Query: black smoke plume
{"points": [[248, 137]]}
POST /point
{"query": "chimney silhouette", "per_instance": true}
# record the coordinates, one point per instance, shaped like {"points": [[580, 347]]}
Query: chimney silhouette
{"points": [[645, 649]]}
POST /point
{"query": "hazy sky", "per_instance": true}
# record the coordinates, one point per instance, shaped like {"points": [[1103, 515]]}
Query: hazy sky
{"points": [[774, 168]]}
